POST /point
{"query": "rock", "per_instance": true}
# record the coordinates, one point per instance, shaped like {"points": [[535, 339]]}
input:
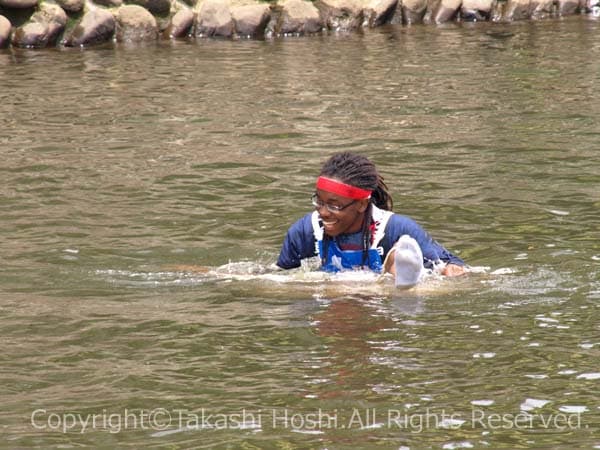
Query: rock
{"points": [[5, 28], [542, 9], [379, 12], [31, 34], [251, 20], [109, 3], [295, 17], [156, 7], [476, 10], [214, 19], [341, 15], [43, 28], [413, 11], [135, 24], [180, 25], [442, 11], [97, 25], [517, 10], [54, 16], [18, 4], [71, 5], [568, 7]]}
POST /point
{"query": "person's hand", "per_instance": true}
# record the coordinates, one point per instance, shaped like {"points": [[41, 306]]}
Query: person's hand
{"points": [[453, 270]]}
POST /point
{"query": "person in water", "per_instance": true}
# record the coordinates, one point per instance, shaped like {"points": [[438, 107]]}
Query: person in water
{"points": [[353, 226]]}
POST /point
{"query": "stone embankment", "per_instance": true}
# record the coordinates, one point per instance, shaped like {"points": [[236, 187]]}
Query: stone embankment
{"points": [[43, 23]]}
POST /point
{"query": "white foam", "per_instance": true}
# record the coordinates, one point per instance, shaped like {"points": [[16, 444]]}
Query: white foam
{"points": [[451, 423], [573, 409], [303, 431], [453, 445], [482, 402], [546, 319], [533, 403], [589, 376], [558, 212], [307, 275]]}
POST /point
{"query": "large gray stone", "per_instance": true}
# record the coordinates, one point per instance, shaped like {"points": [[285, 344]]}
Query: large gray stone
{"points": [[251, 20], [295, 17], [180, 24], [54, 16], [568, 7], [109, 3], [440, 11], [5, 28], [43, 28], [135, 24], [542, 9], [18, 4], [379, 12], [191, 3], [413, 11], [96, 26], [341, 15], [31, 35], [475, 10], [71, 5], [214, 19], [517, 10], [156, 7]]}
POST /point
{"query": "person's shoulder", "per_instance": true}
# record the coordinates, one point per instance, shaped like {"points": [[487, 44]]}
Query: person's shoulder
{"points": [[398, 220], [399, 224], [303, 224]]}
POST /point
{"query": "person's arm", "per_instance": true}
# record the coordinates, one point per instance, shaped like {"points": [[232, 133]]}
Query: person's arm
{"points": [[432, 250], [299, 243]]}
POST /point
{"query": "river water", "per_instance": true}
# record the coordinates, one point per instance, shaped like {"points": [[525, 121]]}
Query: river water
{"points": [[121, 165]]}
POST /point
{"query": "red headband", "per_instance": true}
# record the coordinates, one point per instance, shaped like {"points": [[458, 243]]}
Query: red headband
{"points": [[343, 189]]}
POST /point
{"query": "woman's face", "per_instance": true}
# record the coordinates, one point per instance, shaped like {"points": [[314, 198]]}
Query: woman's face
{"points": [[348, 220]]}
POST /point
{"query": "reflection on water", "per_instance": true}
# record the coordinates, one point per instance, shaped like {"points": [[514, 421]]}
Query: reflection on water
{"points": [[119, 165]]}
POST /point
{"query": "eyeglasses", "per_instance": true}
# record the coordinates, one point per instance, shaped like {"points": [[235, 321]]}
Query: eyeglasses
{"points": [[318, 204]]}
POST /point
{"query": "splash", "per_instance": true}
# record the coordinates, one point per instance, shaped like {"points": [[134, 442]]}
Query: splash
{"points": [[306, 276]]}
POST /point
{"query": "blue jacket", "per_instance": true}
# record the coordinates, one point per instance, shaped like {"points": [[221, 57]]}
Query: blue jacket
{"points": [[301, 242]]}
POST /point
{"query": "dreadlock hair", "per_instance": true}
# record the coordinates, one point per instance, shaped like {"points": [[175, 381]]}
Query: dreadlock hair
{"points": [[359, 171]]}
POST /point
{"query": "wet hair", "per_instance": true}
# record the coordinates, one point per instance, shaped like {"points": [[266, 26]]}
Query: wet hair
{"points": [[359, 171]]}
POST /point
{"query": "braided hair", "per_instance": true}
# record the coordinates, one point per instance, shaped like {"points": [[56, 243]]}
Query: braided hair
{"points": [[359, 171]]}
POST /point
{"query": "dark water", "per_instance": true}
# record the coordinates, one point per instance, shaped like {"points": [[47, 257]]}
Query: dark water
{"points": [[120, 163]]}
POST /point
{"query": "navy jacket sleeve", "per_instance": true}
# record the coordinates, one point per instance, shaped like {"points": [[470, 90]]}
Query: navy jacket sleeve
{"points": [[399, 225], [299, 243]]}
